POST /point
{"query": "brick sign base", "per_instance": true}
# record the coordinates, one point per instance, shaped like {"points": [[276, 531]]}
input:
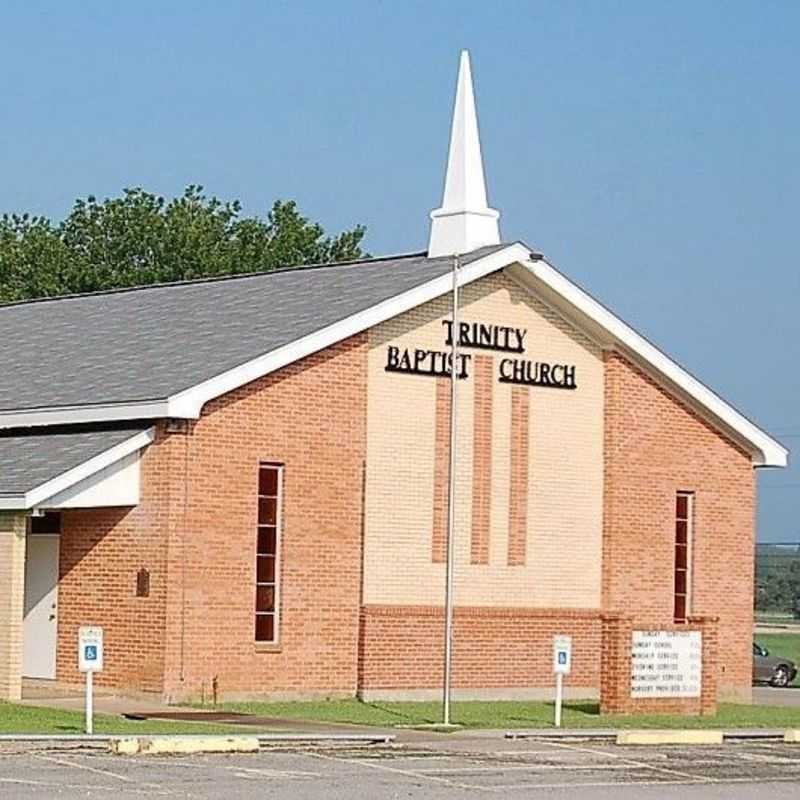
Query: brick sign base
{"points": [[615, 681]]}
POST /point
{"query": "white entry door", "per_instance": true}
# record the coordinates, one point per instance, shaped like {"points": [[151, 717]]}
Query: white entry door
{"points": [[41, 605]]}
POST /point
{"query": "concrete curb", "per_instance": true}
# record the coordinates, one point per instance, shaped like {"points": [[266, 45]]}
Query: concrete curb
{"points": [[609, 734], [199, 743], [192, 743], [561, 733], [792, 736], [669, 737], [183, 745]]}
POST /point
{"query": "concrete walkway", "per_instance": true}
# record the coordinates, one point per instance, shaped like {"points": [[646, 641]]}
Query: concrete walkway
{"points": [[71, 698], [140, 705], [768, 696]]}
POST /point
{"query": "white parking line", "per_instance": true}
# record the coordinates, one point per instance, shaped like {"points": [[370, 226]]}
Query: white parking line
{"points": [[642, 764], [64, 762], [68, 762], [83, 787], [768, 759], [609, 784], [395, 770], [533, 768], [252, 772]]}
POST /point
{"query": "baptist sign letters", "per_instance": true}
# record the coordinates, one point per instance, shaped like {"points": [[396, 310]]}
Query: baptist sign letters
{"points": [[477, 335]]}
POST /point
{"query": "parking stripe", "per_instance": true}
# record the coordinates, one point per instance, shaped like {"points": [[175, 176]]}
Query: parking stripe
{"points": [[407, 773], [642, 764]]}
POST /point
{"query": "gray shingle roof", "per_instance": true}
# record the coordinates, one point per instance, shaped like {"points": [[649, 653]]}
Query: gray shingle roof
{"points": [[31, 457], [150, 343]]}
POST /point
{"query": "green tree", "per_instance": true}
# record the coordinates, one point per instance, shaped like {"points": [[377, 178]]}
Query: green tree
{"points": [[140, 238]]}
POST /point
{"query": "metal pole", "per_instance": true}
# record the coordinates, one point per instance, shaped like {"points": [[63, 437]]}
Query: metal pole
{"points": [[89, 702], [451, 519], [559, 697]]}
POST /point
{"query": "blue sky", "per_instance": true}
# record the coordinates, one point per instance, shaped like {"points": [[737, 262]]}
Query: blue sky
{"points": [[651, 150]]}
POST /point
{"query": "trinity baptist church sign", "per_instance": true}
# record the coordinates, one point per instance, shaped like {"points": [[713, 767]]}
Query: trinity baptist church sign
{"points": [[476, 335]]}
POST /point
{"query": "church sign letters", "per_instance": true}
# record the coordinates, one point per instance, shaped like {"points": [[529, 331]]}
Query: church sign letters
{"points": [[476, 335]]}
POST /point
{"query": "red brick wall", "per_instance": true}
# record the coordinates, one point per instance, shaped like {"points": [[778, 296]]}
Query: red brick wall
{"points": [[195, 530], [101, 552], [402, 647], [655, 447], [310, 416]]}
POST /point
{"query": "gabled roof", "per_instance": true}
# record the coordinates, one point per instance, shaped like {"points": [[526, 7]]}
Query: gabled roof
{"points": [[139, 347], [165, 351], [37, 463]]}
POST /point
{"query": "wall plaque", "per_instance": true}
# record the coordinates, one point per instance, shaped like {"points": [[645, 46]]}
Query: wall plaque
{"points": [[666, 663]]}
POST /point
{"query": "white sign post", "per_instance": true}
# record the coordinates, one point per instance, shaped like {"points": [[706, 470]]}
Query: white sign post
{"points": [[562, 663], [90, 660]]}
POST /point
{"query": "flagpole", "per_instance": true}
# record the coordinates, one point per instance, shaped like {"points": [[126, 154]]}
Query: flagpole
{"points": [[448, 592]]}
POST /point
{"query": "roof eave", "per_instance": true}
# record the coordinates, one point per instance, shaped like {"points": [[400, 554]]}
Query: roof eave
{"points": [[76, 415], [188, 403], [38, 495], [613, 331]]}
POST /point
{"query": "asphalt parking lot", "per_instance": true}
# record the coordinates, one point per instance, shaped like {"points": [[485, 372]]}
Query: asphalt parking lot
{"points": [[444, 768]]}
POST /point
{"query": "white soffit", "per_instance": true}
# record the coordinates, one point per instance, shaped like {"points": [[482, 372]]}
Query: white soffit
{"points": [[109, 479]]}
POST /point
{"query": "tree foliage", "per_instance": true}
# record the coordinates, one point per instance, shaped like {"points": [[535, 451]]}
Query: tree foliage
{"points": [[140, 238], [778, 578]]}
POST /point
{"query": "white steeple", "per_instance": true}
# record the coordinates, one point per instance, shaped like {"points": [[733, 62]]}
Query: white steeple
{"points": [[464, 222]]}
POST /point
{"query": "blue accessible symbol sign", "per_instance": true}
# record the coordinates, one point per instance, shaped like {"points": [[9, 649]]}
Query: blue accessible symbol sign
{"points": [[562, 657], [90, 649]]}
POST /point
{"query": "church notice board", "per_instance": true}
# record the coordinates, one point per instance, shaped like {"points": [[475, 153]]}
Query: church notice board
{"points": [[666, 663]]}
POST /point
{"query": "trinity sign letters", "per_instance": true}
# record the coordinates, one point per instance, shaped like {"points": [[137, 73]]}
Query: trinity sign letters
{"points": [[504, 339]]}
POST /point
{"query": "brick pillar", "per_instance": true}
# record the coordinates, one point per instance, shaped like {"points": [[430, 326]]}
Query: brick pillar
{"points": [[12, 597], [615, 666], [710, 675]]}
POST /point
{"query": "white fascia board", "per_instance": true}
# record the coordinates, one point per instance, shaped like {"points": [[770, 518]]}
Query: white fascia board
{"points": [[39, 495], [767, 451], [75, 415], [188, 404]]}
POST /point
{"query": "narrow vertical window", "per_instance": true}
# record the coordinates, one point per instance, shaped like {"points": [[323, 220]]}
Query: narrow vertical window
{"points": [[684, 502], [270, 480]]}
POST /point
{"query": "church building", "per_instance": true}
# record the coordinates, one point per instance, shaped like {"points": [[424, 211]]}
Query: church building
{"points": [[246, 481]]}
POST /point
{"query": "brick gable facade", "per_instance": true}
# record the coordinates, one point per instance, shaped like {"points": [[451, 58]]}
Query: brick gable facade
{"points": [[194, 531]]}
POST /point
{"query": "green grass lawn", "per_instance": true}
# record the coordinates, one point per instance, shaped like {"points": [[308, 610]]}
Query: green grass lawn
{"points": [[510, 715], [34, 719], [782, 644]]}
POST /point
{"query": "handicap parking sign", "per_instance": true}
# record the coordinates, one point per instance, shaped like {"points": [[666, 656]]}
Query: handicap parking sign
{"points": [[562, 655], [90, 648]]}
